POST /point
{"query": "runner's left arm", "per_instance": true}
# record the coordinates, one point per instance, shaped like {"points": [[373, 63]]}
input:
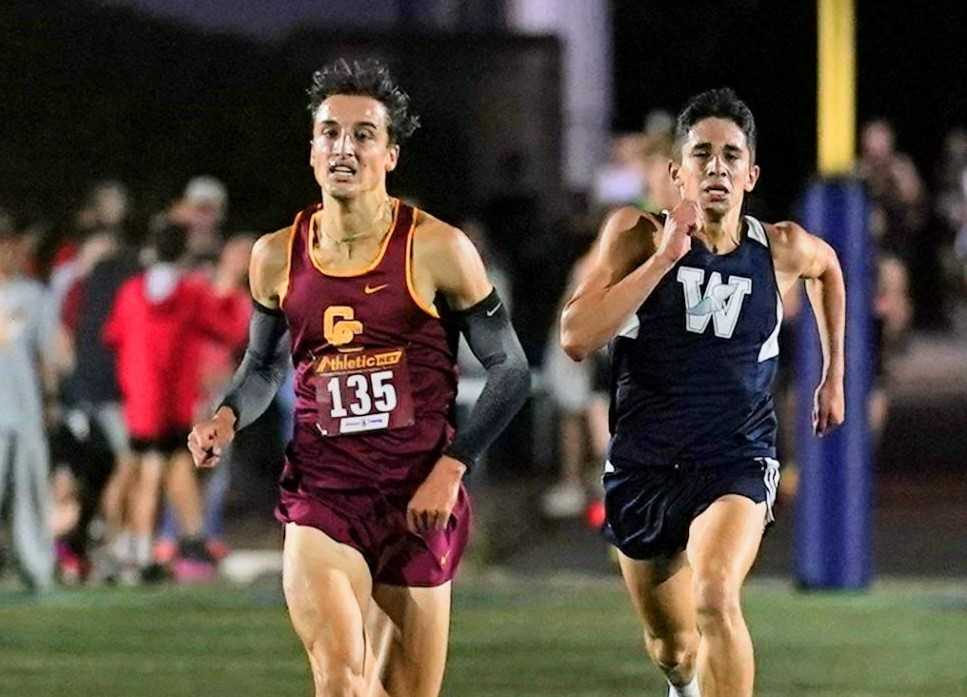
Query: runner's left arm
{"points": [[482, 317], [812, 259], [266, 360]]}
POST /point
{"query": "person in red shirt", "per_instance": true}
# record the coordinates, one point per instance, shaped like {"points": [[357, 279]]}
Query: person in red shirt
{"points": [[216, 364], [157, 328]]}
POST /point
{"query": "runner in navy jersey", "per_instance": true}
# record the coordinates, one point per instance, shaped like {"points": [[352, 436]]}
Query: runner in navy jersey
{"points": [[367, 293], [691, 303]]}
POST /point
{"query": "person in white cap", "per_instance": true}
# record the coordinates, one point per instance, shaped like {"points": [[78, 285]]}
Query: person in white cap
{"points": [[201, 210]]}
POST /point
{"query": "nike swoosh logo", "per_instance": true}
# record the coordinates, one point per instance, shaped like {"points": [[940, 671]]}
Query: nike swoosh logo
{"points": [[491, 313], [369, 290]]}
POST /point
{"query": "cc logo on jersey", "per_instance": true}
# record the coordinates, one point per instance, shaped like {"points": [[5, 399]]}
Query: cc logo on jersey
{"points": [[339, 325]]}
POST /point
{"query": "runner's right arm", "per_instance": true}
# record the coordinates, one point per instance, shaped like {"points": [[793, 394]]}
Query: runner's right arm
{"points": [[266, 360], [633, 255]]}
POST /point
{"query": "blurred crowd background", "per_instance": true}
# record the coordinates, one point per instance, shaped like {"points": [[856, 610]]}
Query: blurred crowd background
{"points": [[145, 148]]}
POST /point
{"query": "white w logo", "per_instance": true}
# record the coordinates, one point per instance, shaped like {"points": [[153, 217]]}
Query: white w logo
{"points": [[721, 303]]}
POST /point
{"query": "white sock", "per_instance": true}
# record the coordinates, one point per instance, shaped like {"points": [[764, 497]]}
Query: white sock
{"points": [[142, 550], [689, 690], [123, 546]]}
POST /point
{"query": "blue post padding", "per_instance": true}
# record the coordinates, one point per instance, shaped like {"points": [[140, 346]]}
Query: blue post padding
{"points": [[834, 501]]}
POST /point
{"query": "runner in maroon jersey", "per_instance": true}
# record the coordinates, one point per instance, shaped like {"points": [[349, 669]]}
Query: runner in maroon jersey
{"points": [[368, 294]]}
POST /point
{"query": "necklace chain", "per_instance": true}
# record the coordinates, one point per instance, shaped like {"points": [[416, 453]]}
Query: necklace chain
{"points": [[387, 206]]}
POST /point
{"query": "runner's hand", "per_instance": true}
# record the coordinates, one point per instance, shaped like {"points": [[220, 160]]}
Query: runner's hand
{"points": [[208, 439], [676, 237], [829, 407], [431, 505]]}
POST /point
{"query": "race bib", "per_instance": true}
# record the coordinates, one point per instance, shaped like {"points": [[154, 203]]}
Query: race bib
{"points": [[363, 392]]}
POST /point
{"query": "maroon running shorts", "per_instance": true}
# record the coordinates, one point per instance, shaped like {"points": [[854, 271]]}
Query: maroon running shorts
{"points": [[374, 523]]}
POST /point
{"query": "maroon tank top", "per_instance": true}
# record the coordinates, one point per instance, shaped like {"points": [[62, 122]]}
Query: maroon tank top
{"points": [[375, 370]]}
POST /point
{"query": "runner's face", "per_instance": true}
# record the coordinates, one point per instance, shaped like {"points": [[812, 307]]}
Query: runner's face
{"points": [[716, 168], [351, 150]]}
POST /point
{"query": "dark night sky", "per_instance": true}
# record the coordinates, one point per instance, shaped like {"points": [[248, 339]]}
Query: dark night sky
{"points": [[911, 69], [266, 19], [911, 65]]}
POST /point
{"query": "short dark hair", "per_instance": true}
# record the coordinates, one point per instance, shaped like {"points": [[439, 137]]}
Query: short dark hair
{"points": [[369, 78], [722, 103]]}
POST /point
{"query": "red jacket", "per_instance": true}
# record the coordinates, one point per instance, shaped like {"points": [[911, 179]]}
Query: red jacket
{"points": [[158, 346]]}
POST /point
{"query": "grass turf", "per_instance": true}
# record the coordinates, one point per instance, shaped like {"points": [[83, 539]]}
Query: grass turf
{"points": [[511, 638]]}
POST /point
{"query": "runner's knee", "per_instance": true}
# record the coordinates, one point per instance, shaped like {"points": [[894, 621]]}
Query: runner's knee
{"points": [[716, 599], [674, 653]]}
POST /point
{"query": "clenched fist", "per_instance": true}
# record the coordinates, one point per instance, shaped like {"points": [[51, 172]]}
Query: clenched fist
{"points": [[208, 439], [676, 237]]}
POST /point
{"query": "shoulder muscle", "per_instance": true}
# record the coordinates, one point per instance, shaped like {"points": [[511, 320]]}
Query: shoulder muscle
{"points": [[269, 267], [795, 251], [451, 260], [627, 238]]}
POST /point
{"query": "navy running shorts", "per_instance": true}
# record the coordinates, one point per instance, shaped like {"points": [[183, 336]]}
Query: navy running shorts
{"points": [[648, 511]]}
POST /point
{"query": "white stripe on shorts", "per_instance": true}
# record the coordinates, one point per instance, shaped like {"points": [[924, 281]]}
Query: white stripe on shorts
{"points": [[771, 478]]}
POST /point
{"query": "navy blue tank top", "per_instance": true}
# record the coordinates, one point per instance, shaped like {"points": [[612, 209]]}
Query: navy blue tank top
{"points": [[692, 369]]}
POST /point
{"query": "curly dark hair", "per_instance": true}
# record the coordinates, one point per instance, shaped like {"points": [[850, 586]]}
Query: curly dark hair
{"points": [[370, 78], [722, 103]]}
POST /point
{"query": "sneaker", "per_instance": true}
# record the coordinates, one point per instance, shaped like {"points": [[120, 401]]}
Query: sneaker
{"points": [[165, 551], [194, 571], [105, 566], [594, 514], [194, 563], [72, 568], [217, 548], [130, 575]]}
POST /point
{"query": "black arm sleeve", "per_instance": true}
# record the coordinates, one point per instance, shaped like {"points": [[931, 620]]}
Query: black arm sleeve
{"points": [[263, 368], [495, 344]]}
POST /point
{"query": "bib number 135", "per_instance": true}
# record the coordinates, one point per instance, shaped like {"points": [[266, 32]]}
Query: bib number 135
{"points": [[363, 392], [371, 392]]}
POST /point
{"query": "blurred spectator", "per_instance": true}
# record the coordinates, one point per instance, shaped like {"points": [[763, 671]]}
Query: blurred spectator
{"points": [[28, 332], [899, 216], [580, 393], [892, 314], [512, 217], [156, 328], [201, 211], [217, 360], [100, 219], [952, 212], [959, 256], [660, 191], [621, 180], [97, 444], [896, 191], [106, 209], [659, 123], [953, 162], [497, 269]]}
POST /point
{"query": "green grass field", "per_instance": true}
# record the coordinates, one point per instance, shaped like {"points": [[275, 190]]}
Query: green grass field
{"points": [[568, 638]]}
